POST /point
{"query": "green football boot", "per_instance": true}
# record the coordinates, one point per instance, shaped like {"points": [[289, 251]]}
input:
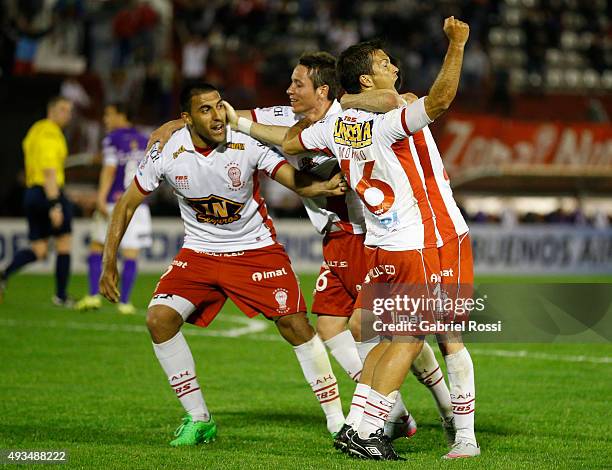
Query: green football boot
{"points": [[192, 433]]}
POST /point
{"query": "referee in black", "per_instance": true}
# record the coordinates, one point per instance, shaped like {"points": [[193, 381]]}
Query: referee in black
{"points": [[48, 211]]}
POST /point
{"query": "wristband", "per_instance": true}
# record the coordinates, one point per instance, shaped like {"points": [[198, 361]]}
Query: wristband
{"points": [[244, 125], [54, 203]]}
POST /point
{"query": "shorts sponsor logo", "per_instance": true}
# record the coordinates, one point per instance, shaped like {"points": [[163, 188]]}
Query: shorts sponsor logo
{"points": [[258, 276], [180, 150], [281, 296], [181, 181], [215, 209], [336, 264], [234, 173], [225, 255]]}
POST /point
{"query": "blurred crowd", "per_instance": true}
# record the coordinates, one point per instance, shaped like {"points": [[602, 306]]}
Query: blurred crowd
{"points": [[140, 51]]}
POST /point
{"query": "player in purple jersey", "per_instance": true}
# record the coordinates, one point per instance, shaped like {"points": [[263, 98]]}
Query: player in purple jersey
{"points": [[123, 148]]}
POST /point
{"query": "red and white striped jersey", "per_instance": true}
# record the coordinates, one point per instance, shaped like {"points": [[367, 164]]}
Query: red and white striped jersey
{"points": [[217, 190], [448, 218], [377, 159], [344, 212]]}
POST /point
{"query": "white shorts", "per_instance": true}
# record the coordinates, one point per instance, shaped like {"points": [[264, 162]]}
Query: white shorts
{"points": [[137, 235]]}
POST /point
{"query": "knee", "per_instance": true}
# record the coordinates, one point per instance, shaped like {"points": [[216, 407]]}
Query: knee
{"points": [[163, 323], [295, 327], [41, 252]]}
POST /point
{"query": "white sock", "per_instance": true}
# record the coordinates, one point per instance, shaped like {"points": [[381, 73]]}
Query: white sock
{"points": [[363, 348], [319, 375], [463, 392], [399, 410], [427, 370], [376, 413], [175, 358], [342, 346], [358, 405]]}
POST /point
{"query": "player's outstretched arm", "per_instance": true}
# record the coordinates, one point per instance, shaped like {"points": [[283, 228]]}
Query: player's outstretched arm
{"points": [[377, 101], [268, 134], [307, 185], [122, 214], [163, 133], [291, 143], [443, 91]]}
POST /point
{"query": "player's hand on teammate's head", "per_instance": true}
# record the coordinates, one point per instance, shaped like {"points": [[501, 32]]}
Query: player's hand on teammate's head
{"points": [[232, 116], [456, 30], [109, 282], [163, 133], [337, 184]]}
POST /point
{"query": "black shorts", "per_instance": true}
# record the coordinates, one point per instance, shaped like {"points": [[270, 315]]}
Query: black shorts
{"points": [[36, 208]]}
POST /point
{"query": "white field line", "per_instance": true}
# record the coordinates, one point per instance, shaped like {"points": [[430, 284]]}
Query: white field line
{"points": [[254, 327]]}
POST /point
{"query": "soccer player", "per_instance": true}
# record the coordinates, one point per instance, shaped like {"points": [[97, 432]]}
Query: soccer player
{"points": [[312, 93], [230, 250], [123, 149], [48, 210], [457, 269], [375, 155]]}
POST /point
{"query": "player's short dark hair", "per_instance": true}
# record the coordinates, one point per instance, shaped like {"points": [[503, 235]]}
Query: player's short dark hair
{"points": [[122, 108], [193, 89], [356, 61], [322, 71], [56, 99]]}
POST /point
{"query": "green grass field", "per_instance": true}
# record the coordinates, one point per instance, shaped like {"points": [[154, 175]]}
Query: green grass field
{"points": [[89, 383]]}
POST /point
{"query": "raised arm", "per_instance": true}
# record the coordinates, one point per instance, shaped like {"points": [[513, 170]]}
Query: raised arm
{"points": [[122, 214], [307, 185], [268, 134], [443, 91]]}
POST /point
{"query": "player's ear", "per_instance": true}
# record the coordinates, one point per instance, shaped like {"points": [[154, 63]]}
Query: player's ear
{"points": [[366, 81], [323, 91], [186, 117]]}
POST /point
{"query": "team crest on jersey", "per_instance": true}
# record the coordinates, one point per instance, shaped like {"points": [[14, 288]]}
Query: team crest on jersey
{"points": [[281, 296], [180, 150], [215, 210], [353, 134], [234, 173], [181, 181], [235, 146]]}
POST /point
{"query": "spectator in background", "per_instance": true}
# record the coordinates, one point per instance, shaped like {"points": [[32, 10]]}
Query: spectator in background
{"points": [[48, 210], [476, 68], [195, 55]]}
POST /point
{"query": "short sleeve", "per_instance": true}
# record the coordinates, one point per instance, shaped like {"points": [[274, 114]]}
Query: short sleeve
{"points": [[270, 160], [318, 137], [109, 153], [407, 120], [275, 116], [150, 170]]}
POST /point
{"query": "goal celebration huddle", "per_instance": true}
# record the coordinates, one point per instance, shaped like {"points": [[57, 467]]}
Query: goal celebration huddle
{"points": [[373, 184]]}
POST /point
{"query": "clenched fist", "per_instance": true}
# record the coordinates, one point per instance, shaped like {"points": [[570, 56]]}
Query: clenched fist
{"points": [[456, 31]]}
